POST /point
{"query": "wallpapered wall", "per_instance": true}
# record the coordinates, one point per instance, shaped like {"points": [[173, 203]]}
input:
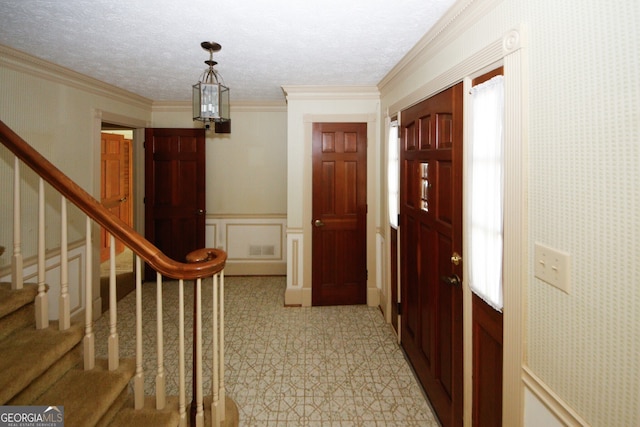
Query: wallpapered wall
{"points": [[584, 199]]}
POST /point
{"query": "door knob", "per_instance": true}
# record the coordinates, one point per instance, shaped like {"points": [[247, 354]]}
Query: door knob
{"points": [[200, 212], [124, 199], [456, 258], [452, 280], [318, 223]]}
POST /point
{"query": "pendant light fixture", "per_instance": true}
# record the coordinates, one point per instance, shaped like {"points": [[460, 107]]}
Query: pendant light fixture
{"points": [[210, 95]]}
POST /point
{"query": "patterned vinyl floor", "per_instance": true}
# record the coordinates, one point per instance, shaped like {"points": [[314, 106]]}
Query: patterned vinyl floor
{"points": [[311, 366]]}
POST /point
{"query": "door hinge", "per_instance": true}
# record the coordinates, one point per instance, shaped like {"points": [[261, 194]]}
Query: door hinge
{"points": [[144, 200], [398, 220], [399, 308], [367, 274]]}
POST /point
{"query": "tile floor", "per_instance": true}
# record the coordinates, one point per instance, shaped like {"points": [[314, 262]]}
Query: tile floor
{"points": [[312, 366]]}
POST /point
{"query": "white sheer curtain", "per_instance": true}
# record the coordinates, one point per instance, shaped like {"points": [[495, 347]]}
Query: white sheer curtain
{"points": [[393, 174], [486, 195]]}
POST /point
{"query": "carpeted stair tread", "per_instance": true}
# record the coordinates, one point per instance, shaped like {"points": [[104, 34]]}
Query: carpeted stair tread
{"points": [[88, 395], [27, 353], [12, 300]]}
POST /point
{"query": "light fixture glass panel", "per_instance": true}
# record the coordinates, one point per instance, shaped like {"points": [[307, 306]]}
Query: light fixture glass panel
{"points": [[225, 113], [196, 102]]}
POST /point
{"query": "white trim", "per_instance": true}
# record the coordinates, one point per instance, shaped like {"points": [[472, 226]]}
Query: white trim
{"points": [[236, 106], [551, 400], [458, 19], [24, 63], [315, 93], [510, 51]]}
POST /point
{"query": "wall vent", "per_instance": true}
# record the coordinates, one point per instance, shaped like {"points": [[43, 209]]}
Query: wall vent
{"points": [[262, 250]]}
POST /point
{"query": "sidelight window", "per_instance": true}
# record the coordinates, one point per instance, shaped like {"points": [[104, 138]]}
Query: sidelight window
{"points": [[486, 210], [393, 174]]}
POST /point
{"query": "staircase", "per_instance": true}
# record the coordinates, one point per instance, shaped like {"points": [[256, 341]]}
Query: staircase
{"points": [[45, 363], [44, 368]]}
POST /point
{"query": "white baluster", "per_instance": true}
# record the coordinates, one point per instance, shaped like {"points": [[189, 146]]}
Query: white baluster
{"points": [[215, 381], [181, 357], [138, 382], [198, 322], [222, 391], [42, 305], [160, 379], [113, 342], [17, 279], [64, 310], [89, 337]]}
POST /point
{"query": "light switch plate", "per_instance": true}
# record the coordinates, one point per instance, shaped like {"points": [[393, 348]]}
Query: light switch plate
{"points": [[552, 266]]}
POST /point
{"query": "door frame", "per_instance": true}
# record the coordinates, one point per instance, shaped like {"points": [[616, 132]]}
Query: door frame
{"points": [[510, 52], [138, 126], [299, 243]]}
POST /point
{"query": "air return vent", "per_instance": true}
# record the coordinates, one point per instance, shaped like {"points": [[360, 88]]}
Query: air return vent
{"points": [[262, 250]]}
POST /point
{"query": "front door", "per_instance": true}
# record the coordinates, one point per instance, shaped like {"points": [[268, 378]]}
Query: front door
{"points": [[339, 268], [431, 240], [175, 190]]}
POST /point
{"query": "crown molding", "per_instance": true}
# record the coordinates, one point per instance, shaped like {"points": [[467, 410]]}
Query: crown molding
{"points": [[237, 106], [314, 93], [25, 63], [462, 15]]}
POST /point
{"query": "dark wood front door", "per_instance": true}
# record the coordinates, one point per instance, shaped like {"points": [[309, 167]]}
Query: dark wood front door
{"points": [[175, 190], [431, 233], [339, 271]]}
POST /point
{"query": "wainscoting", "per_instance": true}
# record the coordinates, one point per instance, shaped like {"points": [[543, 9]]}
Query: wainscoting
{"points": [[76, 271], [255, 244]]}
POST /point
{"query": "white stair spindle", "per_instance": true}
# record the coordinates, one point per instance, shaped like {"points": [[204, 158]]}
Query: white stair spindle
{"points": [[89, 337], [222, 391], [198, 322], [41, 303], [160, 378], [64, 310], [138, 382], [113, 342], [181, 357], [17, 279], [215, 381]]}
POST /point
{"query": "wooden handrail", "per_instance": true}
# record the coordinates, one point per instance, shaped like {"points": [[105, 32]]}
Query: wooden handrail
{"points": [[210, 265]]}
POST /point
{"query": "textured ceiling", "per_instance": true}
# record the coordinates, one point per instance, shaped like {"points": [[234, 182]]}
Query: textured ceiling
{"points": [[152, 47]]}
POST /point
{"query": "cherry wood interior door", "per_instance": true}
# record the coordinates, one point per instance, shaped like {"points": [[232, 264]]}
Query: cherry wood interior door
{"points": [[175, 190], [431, 238], [115, 185], [339, 253]]}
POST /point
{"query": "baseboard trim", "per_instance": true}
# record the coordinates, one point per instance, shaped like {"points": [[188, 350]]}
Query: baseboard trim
{"points": [[255, 268], [551, 400]]}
